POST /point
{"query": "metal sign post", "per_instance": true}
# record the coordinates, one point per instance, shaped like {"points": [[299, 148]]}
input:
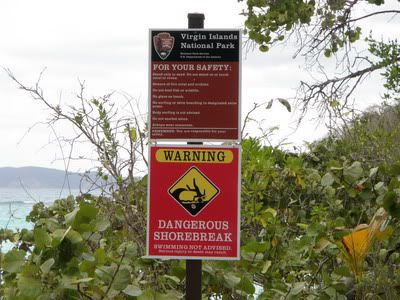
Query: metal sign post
{"points": [[193, 267]]}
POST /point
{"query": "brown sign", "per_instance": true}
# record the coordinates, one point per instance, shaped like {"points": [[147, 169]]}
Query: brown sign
{"points": [[194, 85]]}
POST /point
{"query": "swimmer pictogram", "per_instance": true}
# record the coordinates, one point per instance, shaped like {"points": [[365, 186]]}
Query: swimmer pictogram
{"points": [[193, 190]]}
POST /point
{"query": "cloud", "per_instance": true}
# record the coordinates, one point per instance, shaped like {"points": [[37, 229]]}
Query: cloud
{"points": [[105, 43]]}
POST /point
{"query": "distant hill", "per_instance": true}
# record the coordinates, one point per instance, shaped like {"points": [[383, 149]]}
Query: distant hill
{"points": [[36, 177]]}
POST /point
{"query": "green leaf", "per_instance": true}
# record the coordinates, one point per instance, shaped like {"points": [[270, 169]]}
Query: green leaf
{"points": [[353, 173], [251, 256], [389, 201], [231, 279], [297, 287], [342, 271], [367, 195], [255, 247], [131, 250], [13, 261], [78, 118], [321, 245], [29, 287], [285, 103], [170, 295], [173, 278], [88, 257], [87, 267], [121, 280], [266, 266], [246, 286], [272, 211], [100, 256], [327, 53], [148, 294], [66, 282], [327, 179], [70, 217], [58, 236], [302, 226], [391, 205], [133, 134], [379, 187], [334, 103], [102, 223], [81, 280], [46, 266], [333, 294], [394, 183], [84, 217], [373, 172], [74, 237], [395, 169], [264, 48], [178, 271], [105, 273], [132, 290], [42, 238]]}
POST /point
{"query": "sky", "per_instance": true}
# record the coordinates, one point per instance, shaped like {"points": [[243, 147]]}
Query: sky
{"points": [[105, 44]]}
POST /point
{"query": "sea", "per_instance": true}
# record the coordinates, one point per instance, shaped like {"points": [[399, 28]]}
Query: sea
{"points": [[16, 204]]}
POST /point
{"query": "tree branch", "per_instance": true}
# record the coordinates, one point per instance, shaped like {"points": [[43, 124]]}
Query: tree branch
{"points": [[390, 11]]}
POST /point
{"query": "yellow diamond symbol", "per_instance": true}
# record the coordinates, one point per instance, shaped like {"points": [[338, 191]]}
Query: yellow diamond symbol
{"points": [[193, 190]]}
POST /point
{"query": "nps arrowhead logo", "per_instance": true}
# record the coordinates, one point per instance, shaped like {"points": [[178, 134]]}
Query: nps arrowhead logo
{"points": [[163, 44], [193, 191]]}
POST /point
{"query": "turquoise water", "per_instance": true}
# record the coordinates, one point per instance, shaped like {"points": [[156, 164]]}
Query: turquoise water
{"points": [[16, 203]]}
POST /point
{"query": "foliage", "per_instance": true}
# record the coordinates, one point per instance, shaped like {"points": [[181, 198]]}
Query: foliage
{"points": [[294, 215], [371, 137], [301, 213], [388, 55], [323, 29], [80, 249], [298, 213]]}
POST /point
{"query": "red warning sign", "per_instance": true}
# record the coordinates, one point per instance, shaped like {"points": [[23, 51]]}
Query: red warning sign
{"points": [[193, 203]]}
